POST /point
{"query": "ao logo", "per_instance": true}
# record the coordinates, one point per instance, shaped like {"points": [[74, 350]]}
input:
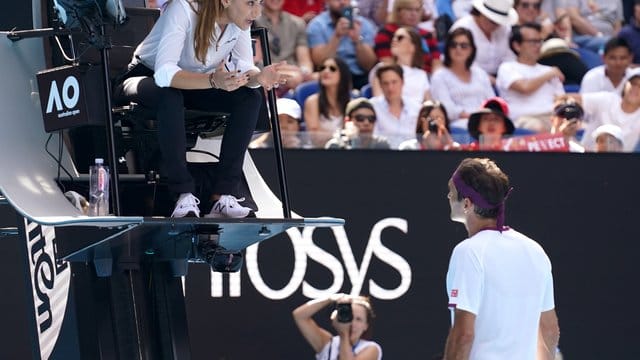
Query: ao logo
{"points": [[70, 83], [304, 249]]}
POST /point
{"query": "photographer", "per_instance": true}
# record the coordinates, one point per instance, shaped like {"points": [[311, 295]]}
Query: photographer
{"points": [[432, 129], [351, 320]]}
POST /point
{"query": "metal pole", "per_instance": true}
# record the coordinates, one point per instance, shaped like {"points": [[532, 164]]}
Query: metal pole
{"points": [[275, 125], [111, 146]]}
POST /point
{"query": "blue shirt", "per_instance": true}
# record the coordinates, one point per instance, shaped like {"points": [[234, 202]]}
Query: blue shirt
{"points": [[321, 29]]}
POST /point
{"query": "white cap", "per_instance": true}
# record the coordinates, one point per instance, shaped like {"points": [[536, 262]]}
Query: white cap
{"points": [[613, 130], [632, 73], [99, 160], [289, 107]]}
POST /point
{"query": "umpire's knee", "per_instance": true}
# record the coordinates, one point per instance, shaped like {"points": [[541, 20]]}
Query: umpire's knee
{"points": [[250, 97]]}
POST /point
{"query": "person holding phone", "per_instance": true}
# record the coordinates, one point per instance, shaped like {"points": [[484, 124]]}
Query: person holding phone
{"points": [[199, 56], [432, 129], [351, 319], [567, 120], [338, 32]]}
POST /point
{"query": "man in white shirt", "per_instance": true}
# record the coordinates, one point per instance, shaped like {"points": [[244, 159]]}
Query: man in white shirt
{"points": [[610, 76], [489, 22], [499, 281], [528, 87], [609, 108], [397, 116]]}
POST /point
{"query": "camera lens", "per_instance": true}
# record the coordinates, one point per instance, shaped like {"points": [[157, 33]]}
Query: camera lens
{"points": [[345, 314]]}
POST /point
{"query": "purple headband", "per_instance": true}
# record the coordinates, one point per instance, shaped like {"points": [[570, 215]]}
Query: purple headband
{"points": [[467, 191]]}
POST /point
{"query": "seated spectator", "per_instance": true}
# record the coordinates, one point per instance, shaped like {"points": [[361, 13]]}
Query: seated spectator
{"points": [[358, 128], [490, 124], [608, 138], [610, 108], [567, 120], [460, 85], [331, 34], [396, 116], [306, 9], [287, 41], [610, 76], [406, 13], [374, 10], [528, 87], [562, 29], [289, 113], [490, 23], [432, 130], [406, 48], [631, 32], [593, 21], [427, 16], [324, 111], [530, 11], [556, 52]]}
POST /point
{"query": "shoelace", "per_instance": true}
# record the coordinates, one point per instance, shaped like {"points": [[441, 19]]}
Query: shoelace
{"points": [[189, 201], [230, 200]]}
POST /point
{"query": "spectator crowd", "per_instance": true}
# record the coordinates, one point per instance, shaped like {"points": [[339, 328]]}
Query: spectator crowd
{"points": [[457, 74]]}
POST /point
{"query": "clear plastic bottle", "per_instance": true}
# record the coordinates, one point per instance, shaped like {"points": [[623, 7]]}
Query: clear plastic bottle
{"points": [[98, 189]]}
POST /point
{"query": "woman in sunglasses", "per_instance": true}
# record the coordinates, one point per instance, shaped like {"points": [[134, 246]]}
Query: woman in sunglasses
{"points": [[407, 13], [324, 110], [358, 128], [406, 48], [459, 85], [432, 129]]}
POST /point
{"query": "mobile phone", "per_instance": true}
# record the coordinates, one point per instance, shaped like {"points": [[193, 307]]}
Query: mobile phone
{"points": [[433, 125], [347, 12]]}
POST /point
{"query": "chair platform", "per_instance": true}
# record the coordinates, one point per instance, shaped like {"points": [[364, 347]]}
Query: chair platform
{"points": [[89, 239]]}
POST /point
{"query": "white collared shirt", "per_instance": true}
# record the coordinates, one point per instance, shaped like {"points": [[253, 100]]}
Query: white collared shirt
{"points": [[491, 52], [169, 46], [395, 129]]}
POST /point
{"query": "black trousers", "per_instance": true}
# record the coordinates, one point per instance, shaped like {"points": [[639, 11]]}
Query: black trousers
{"points": [[169, 103]]}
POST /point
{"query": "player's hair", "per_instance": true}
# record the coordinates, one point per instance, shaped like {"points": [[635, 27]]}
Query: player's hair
{"points": [[486, 178]]}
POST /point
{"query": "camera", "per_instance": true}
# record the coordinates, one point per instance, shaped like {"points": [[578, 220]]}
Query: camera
{"points": [[433, 125], [345, 314], [347, 12]]}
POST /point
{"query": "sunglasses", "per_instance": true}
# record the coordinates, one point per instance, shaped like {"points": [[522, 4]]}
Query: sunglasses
{"points": [[461, 45], [534, 5], [331, 68], [398, 37], [369, 118]]}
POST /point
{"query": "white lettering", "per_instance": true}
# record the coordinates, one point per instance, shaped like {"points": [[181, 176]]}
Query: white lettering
{"points": [[70, 83], [393, 259], [304, 247], [54, 98]]}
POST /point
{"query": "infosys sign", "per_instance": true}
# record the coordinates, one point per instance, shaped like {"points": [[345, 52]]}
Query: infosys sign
{"points": [[71, 96]]}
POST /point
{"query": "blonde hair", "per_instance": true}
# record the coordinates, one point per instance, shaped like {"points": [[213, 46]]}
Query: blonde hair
{"points": [[401, 4], [208, 11]]}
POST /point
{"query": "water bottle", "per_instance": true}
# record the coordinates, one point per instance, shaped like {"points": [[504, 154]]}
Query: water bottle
{"points": [[98, 189]]}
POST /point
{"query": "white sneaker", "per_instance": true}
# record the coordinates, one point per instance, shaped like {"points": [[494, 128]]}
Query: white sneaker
{"points": [[227, 207], [187, 205]]}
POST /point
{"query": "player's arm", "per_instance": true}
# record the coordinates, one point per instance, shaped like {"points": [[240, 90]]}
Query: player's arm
{"points": [[549, 335], [460, 336]]}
